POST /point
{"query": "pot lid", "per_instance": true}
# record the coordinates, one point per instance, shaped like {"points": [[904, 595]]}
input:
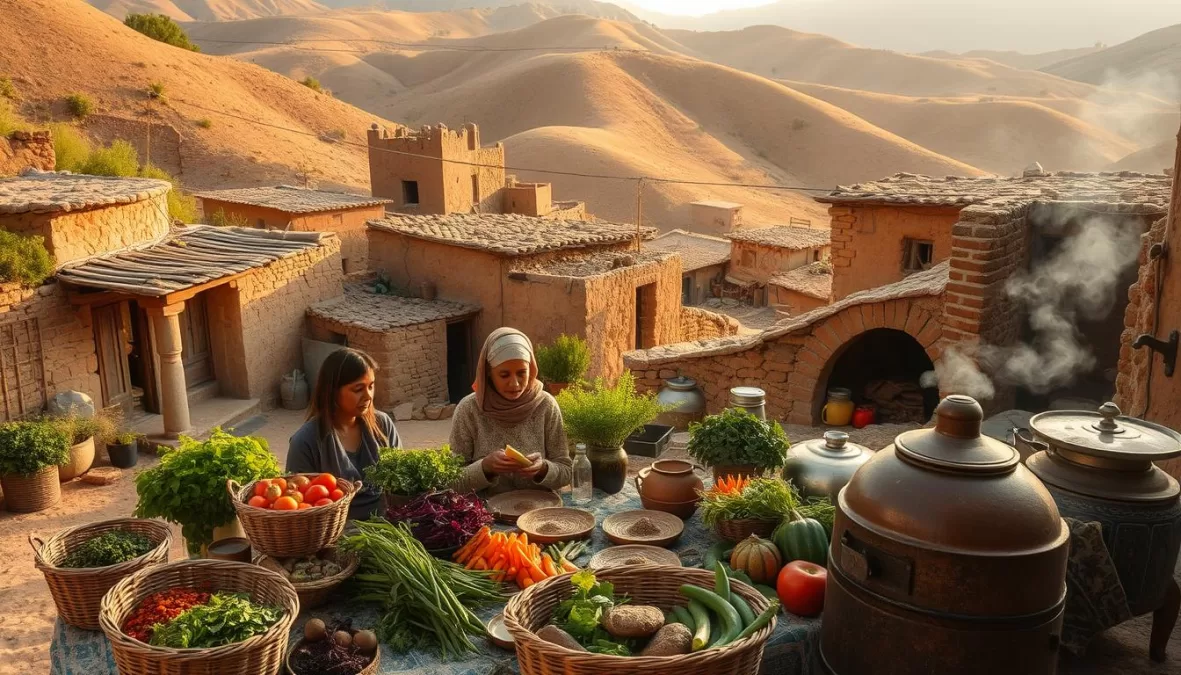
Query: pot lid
{"points": [[955, 444], [747, 395], [681, 383], [1107, 434], [836, 445]]}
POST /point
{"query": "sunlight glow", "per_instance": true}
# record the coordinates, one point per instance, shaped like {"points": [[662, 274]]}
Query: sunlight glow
{"points": [[696, 7]]}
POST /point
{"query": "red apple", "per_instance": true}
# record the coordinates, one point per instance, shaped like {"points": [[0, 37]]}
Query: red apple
{"points": [[801, 587]]}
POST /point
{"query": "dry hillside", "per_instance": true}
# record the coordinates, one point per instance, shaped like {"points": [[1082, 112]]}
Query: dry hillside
{"points": [[595, 8], [79, 49], [1149, 63], [208, 10], [1017, 59]]}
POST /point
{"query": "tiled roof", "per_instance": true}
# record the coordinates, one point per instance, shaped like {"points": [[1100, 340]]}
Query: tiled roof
{"points": [[510, 234], [50, 192], [907, 188], [187, 257], [362, 308], [813, 280], [786, 236], [697, 250], [290, 199]]}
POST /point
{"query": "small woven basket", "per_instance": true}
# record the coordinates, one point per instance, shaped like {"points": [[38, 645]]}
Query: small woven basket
{"points": [[289, 534], [371, 669], [312, 594], [738, 529], [657, 585], [77, 592], [28, 494], [262, 654]]}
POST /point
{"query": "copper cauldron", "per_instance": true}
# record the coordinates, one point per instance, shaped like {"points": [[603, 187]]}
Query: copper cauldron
{"points": [[947, 556]]}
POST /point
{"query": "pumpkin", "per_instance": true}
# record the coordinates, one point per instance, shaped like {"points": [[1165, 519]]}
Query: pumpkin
{"points": [[757, 557], [801, 538]]}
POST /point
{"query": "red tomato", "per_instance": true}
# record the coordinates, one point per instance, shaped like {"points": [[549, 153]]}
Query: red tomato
{"points": [[304, 505], [260, 488], [327, 480], [336, 495], [801, 587], [285, 504], [315, 493], [322, 502], [258, 501], [281, 482]]}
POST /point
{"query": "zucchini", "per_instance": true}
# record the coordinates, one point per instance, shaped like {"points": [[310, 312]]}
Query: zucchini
{"points": [[715, 631], [719, 551], [721, 582], [701, 624], [726, 613], [681, 615], [744, 611], [759, 622]]}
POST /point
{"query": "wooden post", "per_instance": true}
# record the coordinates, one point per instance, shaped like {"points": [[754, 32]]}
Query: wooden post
{"points": [[174, 396]]}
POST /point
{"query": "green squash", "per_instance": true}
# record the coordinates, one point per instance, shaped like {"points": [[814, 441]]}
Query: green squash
{"points": [[800, 538]]}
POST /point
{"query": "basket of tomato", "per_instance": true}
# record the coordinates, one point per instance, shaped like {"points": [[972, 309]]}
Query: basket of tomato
{"points": [[293, 516]]}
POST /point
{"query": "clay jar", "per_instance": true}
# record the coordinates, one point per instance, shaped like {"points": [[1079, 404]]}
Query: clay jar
{"points": [[669, 480]]}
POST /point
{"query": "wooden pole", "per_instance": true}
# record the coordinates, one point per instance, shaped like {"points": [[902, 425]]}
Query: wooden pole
{"points": [[639, 211]]}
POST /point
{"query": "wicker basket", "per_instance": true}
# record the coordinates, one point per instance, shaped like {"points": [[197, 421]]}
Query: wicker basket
{"points": [[738, 529], [656, 585], [26, 494], [77, 592], [371, 669], [312, 594], [290, 534], [260, 655]]}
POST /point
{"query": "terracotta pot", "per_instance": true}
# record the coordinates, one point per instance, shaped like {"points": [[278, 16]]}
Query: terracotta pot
{"points": [[26, 494], [555, 388], [669, 481], [737, 470], [81, 459]]}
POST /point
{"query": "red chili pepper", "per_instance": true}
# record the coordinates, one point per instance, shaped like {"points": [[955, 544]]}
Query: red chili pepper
{"points": [[160, 608]]}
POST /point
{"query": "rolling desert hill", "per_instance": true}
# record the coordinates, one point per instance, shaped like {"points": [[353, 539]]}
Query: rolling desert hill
{"points": [[1017, 59], [207, 10], [1149, 63], [595, 8], [80, 49]]}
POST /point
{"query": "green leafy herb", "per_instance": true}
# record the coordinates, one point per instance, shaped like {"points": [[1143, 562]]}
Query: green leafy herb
{"points": [[821, 510], [226, 619], [29, 447], [108, 548], [738, 437], [413, 472], [762, 498], [188, 486], [605, 415], [564, 361], [581, 615]]}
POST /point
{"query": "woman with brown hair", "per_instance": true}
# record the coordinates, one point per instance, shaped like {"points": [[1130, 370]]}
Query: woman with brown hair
{"points": [[343, 431], [508, 407]]}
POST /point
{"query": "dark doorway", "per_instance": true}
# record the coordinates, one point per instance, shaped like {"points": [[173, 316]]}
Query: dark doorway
{"points": [[646, 316], [884, 367], [686, 290], [460, 369], [142, 363], [476, 191]]}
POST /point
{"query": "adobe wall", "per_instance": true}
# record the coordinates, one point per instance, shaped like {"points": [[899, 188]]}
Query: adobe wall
{"points": [[165, 140], [66, 347], [867, 242], [443, 186], [528, 199], [572, 210], [760, 262], [706, 219], [273, 303], [1131, 385], [700, 324], [80, 234], [792, 301], [23, 149], [702, 281]]}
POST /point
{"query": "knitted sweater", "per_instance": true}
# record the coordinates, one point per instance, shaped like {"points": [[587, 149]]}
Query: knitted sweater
{"points": [[475, 436]]}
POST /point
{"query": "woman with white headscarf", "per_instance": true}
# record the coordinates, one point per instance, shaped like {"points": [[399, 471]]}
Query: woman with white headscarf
{"points": [[508, 407]]}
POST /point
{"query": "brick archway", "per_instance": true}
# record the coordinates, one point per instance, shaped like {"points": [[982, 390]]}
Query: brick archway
{"points": [[920, 318]]}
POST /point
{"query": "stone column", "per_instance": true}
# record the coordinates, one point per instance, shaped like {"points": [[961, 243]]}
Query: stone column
{"points": [[174, 398]]}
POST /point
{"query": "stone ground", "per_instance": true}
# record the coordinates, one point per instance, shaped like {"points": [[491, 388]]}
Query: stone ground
{"points": [[27, 612]]}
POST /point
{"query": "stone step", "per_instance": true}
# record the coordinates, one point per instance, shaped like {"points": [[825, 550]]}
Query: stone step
{"points": [[204, 417]]}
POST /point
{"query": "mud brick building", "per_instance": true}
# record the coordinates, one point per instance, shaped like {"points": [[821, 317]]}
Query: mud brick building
{"points": [[759, 255], [704, 260]]}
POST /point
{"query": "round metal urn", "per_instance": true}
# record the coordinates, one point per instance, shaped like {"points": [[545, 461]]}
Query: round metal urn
{"points": [[822, 466], [947, 556], [687, 403]]}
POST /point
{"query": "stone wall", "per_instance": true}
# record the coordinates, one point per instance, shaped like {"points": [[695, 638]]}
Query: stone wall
{"points": [[1131, 385], [868, 242], [571, 210], [75, 235], [700, 324], [792, 301], [165, 140], [23, 149], [443, 187], [40, 327]]}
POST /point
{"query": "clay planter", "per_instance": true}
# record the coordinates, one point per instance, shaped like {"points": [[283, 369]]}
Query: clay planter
{"points": [[390, 500], [26, 494], [231, 530], [81, 459], [123, 456]]}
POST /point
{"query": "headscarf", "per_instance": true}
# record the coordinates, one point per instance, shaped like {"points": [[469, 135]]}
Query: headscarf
{"points": [[506, 344]]}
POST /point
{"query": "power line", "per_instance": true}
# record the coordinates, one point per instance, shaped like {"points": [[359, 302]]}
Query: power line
{"points": [[416, 45]]}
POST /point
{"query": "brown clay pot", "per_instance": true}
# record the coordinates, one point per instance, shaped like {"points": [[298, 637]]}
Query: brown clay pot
{"points": [[671, 481]]}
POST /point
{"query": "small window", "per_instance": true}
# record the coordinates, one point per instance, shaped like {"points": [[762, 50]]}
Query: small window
{"points": [[816, 256], [917, 255], [410, 192], [475, 189], [686, 290]]}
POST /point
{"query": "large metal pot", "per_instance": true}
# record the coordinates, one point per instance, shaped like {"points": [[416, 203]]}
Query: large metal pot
{"points": [[822, 466], [947, 556], [1099, 467], [687, 401]]}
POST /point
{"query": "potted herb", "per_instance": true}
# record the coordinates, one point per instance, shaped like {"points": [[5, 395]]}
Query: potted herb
{"points": [[603, 416], [83, 432], [404, 474], [736, 443], [188, 486], [738, 508], [123, 450], [562, 363], [30, 453]]}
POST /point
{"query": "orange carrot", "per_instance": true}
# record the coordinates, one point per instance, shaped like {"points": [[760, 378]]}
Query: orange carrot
{"points": [[527, 583], [471, 545], [525, 538], [547, 566], [568, 566], [523, 577], [479, 564]]}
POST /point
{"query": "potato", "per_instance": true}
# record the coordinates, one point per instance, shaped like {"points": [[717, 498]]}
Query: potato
{"points": [[633, 621], [557, 636], [670, 640]]}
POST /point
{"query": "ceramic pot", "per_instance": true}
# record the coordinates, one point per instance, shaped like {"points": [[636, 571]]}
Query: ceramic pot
{"points": [[123, 456], [293, 392], [686, 401], [683, 510], [670, 481], [231, 530], [608, 468], [81, 459]]}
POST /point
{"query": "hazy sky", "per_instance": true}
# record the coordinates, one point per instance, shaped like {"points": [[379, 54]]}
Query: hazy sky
{"points": [[695, 7]]}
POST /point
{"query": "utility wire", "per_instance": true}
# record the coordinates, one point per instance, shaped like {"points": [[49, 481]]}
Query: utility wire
{"points": [[416, 45]]}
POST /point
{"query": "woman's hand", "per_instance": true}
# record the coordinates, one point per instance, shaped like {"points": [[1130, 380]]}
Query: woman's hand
{"points": [[537, 469], [496, 463]]}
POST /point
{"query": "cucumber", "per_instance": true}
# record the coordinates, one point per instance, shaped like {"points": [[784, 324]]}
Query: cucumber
{"points": [[726, 613], [719, 551], [721, 582], [681, 615], [701, 624], [759, 622], [715, 631], [744, 611]]}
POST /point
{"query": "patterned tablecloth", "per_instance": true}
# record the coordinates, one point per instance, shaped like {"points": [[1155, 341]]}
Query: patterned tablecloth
{"points": [[792, 650]]}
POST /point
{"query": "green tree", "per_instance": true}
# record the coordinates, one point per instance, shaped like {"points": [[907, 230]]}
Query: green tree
{"points": [[160, 27]]}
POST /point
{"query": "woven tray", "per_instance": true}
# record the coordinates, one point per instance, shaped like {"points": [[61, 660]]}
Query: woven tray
{"points": [[508, 506], [625, 527], [78, 592], [633, 554], [312, 594], [655, 585], [288, 534], [262, 654], [554, 524]]}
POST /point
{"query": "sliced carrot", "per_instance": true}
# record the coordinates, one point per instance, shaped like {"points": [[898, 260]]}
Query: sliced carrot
{"points": [[524, 538], [471, 545], [547, 566], [568, 566]]}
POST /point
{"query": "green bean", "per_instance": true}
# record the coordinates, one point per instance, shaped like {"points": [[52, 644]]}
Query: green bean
{"points": [[721, 582], [762, 620]]}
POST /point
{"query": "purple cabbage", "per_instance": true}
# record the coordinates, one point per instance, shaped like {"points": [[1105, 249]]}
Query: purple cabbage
{"points": [[444, 519]]}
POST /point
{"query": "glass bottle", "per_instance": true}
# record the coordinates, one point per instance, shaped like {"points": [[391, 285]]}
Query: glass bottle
{"points": [[581, 485]]}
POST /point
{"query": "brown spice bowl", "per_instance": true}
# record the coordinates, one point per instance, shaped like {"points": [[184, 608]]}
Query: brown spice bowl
{"points": [[657, 585], [288, 534], [682, 510], [371, 669], [554, 524], [312, 594], [738, 529]]}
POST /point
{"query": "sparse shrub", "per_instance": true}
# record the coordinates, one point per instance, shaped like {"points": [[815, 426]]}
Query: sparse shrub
{"points": [[160, 27], [70, 148], [204, 123], [117, 159], [7, 88], [24, 259], [312, 83], [798, 124], [181, 205], [335, 135], [79, 105], [10, 120], [220, 218], [156, 90]]}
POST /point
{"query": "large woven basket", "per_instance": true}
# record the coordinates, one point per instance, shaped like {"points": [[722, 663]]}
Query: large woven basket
{"points": [[372, 669], [262, 654], [312, 594], [656, 585], [739, 529], [78, 592], [27, 494], [287, 534]]}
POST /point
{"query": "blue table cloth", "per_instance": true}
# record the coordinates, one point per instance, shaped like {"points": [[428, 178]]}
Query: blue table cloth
{"points": [[793, 648]]}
